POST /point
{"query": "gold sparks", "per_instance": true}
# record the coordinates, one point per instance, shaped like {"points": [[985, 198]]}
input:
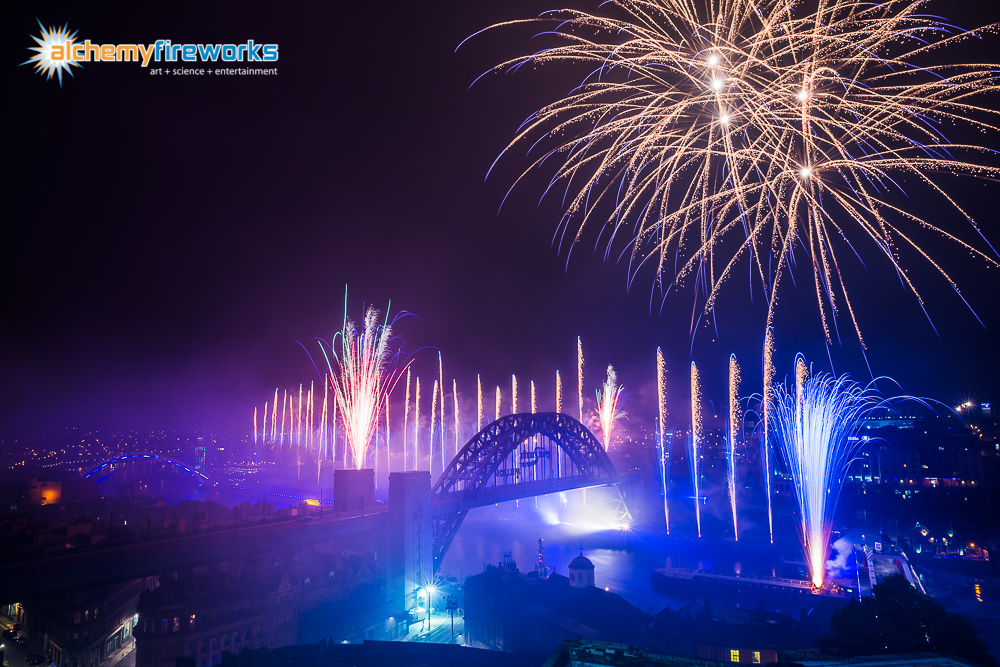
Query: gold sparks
{"points": [[711, 139]]}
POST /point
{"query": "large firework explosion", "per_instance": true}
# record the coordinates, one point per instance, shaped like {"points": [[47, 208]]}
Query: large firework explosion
{"points": [[710, 134]]}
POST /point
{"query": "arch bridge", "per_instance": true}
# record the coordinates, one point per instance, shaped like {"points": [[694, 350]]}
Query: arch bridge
{"points": [[146, 455], [521, 456]]}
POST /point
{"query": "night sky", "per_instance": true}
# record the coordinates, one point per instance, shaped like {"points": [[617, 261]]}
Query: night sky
{"points": [[170, 238]]}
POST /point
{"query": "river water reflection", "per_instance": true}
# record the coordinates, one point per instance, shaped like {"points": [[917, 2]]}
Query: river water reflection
{"points": [[623, 560]]}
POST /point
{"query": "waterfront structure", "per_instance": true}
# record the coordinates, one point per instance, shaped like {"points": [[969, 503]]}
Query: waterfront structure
{"points": [[507, 610]]}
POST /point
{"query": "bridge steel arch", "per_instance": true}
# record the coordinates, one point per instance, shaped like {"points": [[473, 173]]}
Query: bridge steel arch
{"points": [[145, 455], [465, 483]]}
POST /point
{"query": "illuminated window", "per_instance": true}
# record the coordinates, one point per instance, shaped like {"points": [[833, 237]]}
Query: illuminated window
{"points": [[734, 655], [756, 657]]}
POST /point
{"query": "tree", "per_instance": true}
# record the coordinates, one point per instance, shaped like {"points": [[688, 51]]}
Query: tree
{"points": [[897, 618]]}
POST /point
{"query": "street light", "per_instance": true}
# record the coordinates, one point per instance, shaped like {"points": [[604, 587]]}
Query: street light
{"points": [[430, 590]]}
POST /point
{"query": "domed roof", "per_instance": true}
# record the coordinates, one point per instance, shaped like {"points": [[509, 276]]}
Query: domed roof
{"points": [[581, 562]]}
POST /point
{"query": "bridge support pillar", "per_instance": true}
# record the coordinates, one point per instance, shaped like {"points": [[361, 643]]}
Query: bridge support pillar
{"points": [[353, 490], [410, 560]]}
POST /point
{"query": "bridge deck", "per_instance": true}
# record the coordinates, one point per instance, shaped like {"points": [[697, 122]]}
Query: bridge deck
{"points": [[490, 495]]}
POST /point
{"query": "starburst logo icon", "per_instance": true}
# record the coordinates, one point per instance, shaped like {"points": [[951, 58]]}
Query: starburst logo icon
{"points": [[59, 39]]}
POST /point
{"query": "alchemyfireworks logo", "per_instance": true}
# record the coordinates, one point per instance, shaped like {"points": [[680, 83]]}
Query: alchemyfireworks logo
{"points": [[58, 51], [58, 40]]}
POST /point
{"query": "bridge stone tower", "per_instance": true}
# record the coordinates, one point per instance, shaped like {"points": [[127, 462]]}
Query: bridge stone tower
{"points": [[353, 490], [410, 555]]}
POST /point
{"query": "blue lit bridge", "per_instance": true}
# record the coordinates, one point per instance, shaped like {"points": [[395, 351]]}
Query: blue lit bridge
{"points": [[521, 456], [108, 468]]}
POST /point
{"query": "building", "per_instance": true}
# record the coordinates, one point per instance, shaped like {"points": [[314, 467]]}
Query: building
{"points": [[507, 610], [200, 614], [380, 654], [81, 628], [728, 634], [583, 653]]}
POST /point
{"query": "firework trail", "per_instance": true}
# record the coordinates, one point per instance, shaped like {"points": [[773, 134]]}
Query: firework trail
{"points": [[311, 416], [255, 425], [454, 398], [479, 403], [534, 409], [324, 435], [325, 420], [579, 375], [498, 402], [274, 416], [388, 451], [769, 373], [696, 436], [513, 394], [333, 430], [661, 405], [711, 138], [406, 416], [801, 375], [303, 433], [816, 429], [444, 429], [608, 399], [363, 371], [416, 426], [735, 419], [559, 390], [298, 420], [322, 446], [263, 433], [284, 402], [434, 405], [559, 406]]}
